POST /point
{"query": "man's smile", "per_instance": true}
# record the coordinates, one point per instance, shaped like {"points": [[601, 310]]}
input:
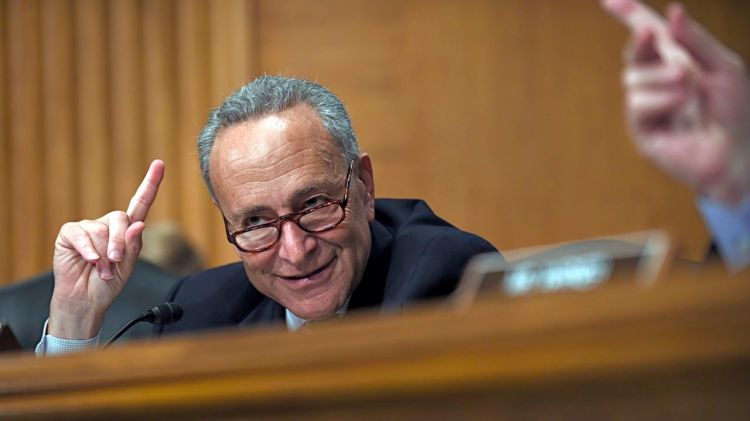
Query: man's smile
{"points": [[309, 275]]}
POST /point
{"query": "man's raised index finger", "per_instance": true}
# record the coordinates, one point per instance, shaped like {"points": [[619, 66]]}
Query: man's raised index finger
{"points": [[146, 194]]}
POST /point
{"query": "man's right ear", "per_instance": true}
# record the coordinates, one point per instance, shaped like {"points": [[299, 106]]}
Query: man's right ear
{"points": [[366, 176]]}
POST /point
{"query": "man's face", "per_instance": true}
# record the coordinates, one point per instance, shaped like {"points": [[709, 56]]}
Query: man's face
{"points": [[282, 163]]}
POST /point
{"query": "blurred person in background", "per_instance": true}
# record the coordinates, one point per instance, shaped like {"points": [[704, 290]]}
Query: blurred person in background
{"points": [[688, 109], [165, 246]]}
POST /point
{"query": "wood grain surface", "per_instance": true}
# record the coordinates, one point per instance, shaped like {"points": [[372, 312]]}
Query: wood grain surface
{"points": [[679, 349]]}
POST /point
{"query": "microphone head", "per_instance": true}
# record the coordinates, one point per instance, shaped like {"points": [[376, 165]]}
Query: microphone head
{"points": [[164, 314]]}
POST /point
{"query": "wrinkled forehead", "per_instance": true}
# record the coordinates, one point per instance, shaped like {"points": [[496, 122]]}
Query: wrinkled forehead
{"points": [[290, 134], [291, 145]]}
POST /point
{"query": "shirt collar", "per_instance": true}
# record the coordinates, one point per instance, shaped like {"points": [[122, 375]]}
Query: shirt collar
{"points": [[294, 322]]}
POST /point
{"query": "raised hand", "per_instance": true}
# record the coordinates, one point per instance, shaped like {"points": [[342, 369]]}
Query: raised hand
{"points": [[687, 100], [93, 260]]}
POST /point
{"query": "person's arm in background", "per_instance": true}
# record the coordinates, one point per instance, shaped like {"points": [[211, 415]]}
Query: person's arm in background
{"points": [[92, 262], [688, 108]]}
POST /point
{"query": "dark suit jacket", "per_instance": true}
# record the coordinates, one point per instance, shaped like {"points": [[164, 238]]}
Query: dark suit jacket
{"points": [[25, 305], [415, 255]]}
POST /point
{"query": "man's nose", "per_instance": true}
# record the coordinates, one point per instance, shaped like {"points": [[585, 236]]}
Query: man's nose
{"points": [[294, 243]]}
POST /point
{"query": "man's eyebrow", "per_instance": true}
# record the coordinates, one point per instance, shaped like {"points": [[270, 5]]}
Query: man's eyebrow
{"points": [[253, 210], [304, 191], [246, 213], [322, 186]]}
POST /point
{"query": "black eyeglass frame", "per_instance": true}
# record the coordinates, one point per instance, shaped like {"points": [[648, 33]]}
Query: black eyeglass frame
{"points": [[293, 217]]}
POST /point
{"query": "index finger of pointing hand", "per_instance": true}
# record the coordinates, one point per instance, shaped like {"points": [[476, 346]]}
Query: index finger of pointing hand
{"points": [[146, 194], [635, 15]]}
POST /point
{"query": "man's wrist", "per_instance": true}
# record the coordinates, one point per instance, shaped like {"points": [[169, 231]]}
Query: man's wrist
{"points": [[76, 325], [730, 194]]}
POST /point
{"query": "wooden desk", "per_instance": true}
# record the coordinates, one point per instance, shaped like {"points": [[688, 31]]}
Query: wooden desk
{"points": [[679, 350]]}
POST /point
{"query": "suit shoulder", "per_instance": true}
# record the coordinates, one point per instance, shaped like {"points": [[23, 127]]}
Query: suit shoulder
{"points": [[217, 297], [441, 244], [218, 280], [429, 260]]}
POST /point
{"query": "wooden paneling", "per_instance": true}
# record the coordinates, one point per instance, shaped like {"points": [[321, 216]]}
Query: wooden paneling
{"points": [[59, 136], [160, 107], [128, 99], [91, 108], [505, 115], [92, 91], [5, 257], [193, 91], [26, 157]]}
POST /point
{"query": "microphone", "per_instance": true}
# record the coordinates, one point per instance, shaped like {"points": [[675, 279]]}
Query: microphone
{"points": [[163, 314]]}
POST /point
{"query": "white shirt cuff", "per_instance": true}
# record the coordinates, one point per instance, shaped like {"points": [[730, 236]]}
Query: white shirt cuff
{"points": [[51, 345]]}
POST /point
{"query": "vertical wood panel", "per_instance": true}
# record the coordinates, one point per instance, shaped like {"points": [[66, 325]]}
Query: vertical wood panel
{"points": [[92, 101], [193, 106], [5, 269], [26, 155], [60, 186], [160, 86], [128, 96], [230, 39], [230, 32]]}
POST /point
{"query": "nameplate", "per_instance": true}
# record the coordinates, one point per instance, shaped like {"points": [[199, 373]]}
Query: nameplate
{"points": [[572, 266]]}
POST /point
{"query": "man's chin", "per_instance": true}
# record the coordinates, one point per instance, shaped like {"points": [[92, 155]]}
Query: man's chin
{"points": [[314, 313]]}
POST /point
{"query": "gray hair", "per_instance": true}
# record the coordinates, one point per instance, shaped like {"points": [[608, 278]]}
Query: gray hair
{"points": [[273, 94]]}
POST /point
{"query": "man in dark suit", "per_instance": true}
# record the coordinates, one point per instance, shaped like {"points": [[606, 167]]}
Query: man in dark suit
{"points": [[414, 256], [281, 162]]}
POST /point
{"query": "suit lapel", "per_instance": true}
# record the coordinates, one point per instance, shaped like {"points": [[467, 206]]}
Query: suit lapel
{"points": [[371, 288], [267, 312]]}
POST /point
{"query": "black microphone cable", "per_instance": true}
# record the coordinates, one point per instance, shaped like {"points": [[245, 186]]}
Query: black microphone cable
{"points": [[163, 314]]}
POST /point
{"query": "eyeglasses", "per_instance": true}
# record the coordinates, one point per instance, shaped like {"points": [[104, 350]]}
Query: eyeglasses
{"points": [[316, 219]]}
